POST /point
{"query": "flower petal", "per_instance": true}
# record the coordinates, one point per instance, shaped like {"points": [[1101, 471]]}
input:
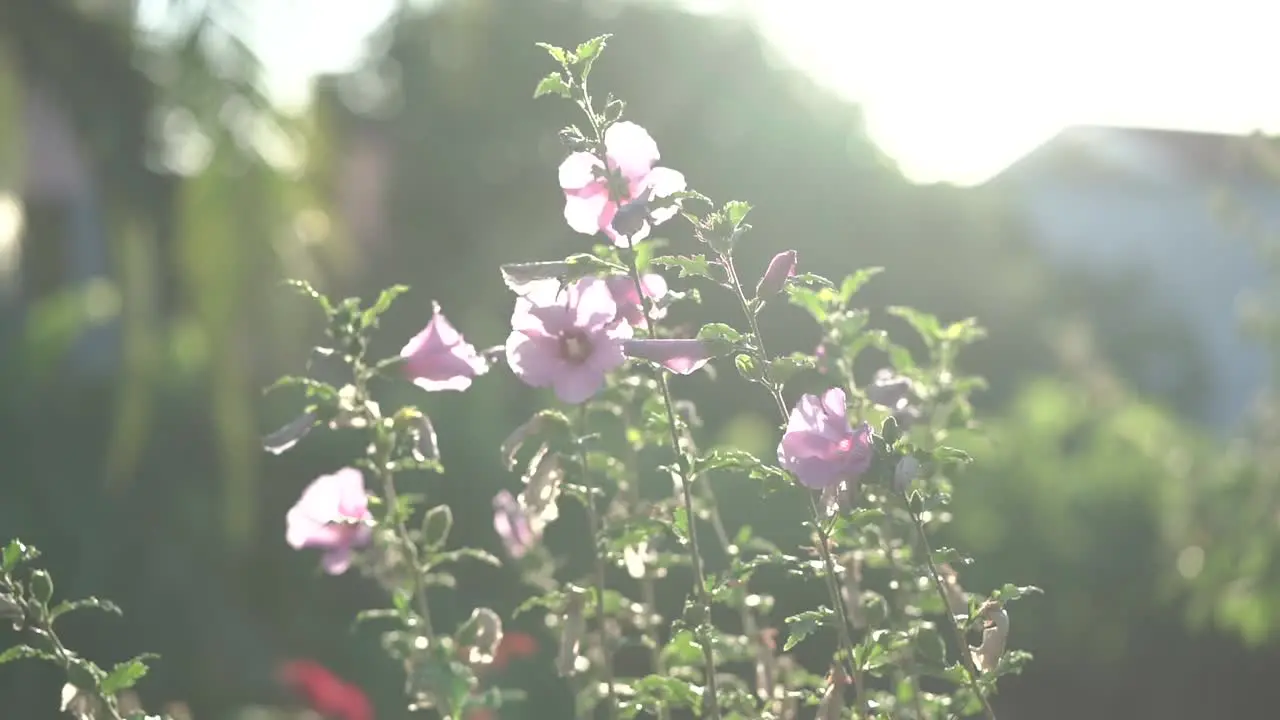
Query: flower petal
{"points": [[631, 149], [593, 304], [534, 359], [577, 383], [579, 171], [662, 183], [682, 356], [589, 211]]}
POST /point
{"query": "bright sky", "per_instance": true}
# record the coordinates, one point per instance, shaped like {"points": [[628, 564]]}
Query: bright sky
{"points": [[954, 91]]}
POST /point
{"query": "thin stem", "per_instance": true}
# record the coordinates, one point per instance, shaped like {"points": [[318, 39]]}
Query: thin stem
{"points": [[712, 699], [593, 522], [971, 670], [648, 595], [833, 590], [382, 459]]}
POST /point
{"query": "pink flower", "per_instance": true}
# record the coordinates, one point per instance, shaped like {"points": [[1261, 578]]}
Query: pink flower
{"points": [[511, 522], [677, 355], [332, 514], [568, 339], [819, 447], [630, 308], [629, 172], [438, 359]]}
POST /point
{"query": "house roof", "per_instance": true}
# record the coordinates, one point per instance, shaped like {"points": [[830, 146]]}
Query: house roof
{"points": [[1092, 152]]}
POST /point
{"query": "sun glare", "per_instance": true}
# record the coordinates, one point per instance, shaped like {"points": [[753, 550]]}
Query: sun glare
{"points": [[956, 91]]}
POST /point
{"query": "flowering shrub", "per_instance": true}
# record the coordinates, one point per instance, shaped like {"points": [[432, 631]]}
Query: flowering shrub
{"points": [[866, 465]]}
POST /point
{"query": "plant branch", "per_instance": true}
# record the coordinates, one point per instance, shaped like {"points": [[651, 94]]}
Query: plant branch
{"points": [[824, 540], [593, 521], [971, 670]]}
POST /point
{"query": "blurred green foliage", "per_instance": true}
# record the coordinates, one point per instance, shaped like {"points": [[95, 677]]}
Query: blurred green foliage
{"points": [[148, 486]]}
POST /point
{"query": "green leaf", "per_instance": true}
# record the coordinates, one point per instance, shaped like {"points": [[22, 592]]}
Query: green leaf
{"points": [[782, 369], [950, 556], [948, 455], [16, 553], [23, 652], [726, 458], [680, 524], [305, 288], [67, 606], [521, 277], [688, 265], [749, 368], [735, 211], [552, 600], [925, 325], [854, 282], [382, 304], [666, 691], [1010, 592], [815, 302], [585, 55], [435, 527], [720, 338], [371, 614], [802, 625], [558, 54], [469, 553], [126, 674], [552, 84]]}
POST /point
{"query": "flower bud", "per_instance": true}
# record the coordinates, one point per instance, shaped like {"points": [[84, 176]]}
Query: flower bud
{"points": [[481, 634], [781, 267], [995, 632], [41, 586]]}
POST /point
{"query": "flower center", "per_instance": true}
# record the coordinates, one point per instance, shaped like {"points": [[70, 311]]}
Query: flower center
{"points": [[575, 346], [845, 444]]}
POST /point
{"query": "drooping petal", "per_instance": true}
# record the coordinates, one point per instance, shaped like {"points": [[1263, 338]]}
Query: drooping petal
{"points": [[677, 355], [630, 149], [337, 560]]}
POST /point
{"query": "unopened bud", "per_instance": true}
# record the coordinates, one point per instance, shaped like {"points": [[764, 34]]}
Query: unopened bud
{"points": [[41, 586], [781, 267], [905, 472]]}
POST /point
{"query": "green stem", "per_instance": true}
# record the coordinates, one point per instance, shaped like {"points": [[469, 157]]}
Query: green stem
{"points": [[593, 521], [971, 670], [833, 590], [712, 699]]}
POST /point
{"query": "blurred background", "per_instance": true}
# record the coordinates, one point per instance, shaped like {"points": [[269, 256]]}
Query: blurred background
{"points": [[1089, 182]]}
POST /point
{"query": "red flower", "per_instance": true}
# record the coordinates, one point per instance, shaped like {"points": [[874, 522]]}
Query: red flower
{"points": [[325, 692], [514, 646]]}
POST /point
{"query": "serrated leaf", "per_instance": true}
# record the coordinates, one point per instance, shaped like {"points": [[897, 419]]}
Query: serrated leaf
{"points": [[385, 298], [94, 603], [726, 458], [855, 281], [290, 434], [586, 54], [688, 265], [802, 625], [550, 601], [23, 652], [680, 524], [721, 338], [523, 277], [467, 553], [782, 369], [126, 674], [552, 84], [735, 211], [306, 290], [558, 54], [16, 553]]}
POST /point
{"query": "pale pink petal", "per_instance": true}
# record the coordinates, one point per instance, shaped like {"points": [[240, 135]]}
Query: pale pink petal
{"points": [[352, 501], [681, 356], [661, 183], [630, 148], [579, 170], [337, 560], [606, 352], [576, 384], [593, 304], [534, 359], [589, 212], [655, 286], [833, 401], [303, 531]]}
